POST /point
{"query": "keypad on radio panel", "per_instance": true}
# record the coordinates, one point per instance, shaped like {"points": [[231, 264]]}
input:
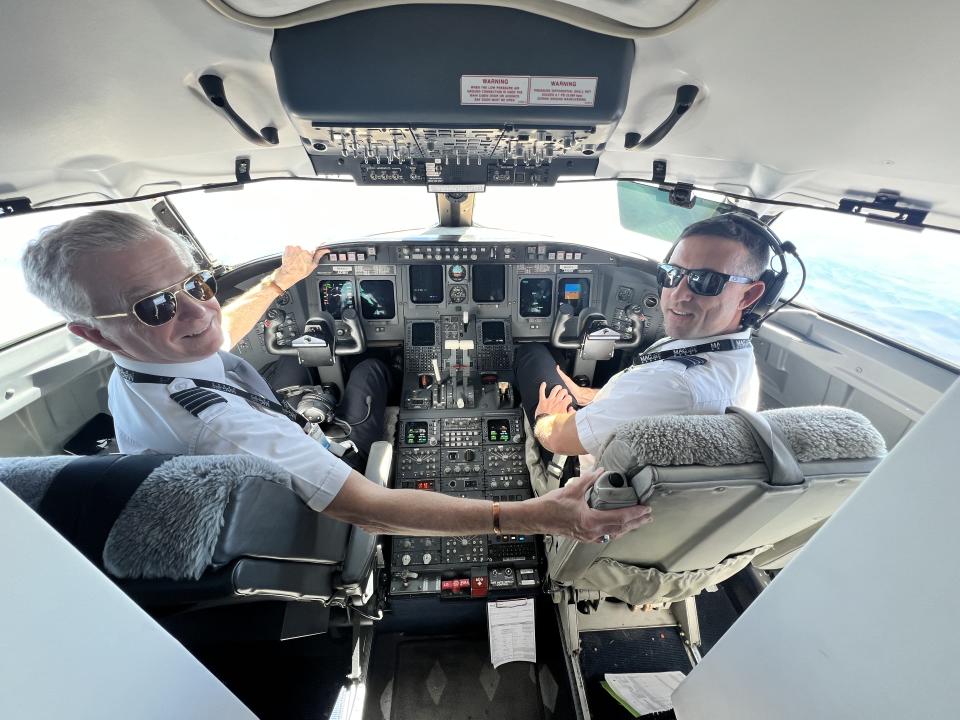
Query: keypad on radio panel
{"points": [[418, 463], [504, 459], [461, 432]]}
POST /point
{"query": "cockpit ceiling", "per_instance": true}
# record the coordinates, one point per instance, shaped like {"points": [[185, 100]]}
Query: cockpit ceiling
{"points": [[282, 13], [812, 101]]}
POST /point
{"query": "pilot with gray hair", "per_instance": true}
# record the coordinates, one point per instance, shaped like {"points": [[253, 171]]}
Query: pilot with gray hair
{"points": [[705, 364], [134, 289]]}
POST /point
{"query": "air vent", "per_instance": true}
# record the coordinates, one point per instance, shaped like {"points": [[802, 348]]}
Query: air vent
{"points": [[651, 301]]}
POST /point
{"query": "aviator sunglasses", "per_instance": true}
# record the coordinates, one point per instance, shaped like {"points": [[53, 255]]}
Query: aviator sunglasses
{"points": [[701, 282], [161, 307]]}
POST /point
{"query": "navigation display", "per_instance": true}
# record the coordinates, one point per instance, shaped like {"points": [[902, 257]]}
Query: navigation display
{"points": [[423, 334], [575, 291], [488, 283], [377, 300], [426, 284], [492, 332], [336, 296], [536, 297]]}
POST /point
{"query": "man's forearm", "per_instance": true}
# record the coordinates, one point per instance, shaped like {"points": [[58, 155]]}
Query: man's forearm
{"points": [[413, 512], [421, 512], [240, 316], [558, 434]]}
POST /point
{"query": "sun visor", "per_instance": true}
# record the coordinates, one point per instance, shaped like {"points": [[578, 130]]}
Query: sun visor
{"points": [[451, 95]]}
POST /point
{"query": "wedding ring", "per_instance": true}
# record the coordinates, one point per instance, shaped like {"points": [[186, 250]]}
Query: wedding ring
{"points": [[605, 539]]}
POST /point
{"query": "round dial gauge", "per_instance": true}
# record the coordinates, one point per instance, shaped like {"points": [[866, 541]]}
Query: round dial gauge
{"points": [[283, 299], [458, 273], [458, 293]]}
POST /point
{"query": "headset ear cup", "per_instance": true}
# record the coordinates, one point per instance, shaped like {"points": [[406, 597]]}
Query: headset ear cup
{"points": [[773, 284]]}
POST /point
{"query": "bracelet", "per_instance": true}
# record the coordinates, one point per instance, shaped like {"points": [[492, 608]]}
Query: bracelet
{"points": [[496, 519]]}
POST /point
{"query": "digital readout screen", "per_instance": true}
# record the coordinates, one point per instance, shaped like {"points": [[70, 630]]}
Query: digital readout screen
{"points": [[416, 433], [426, 283], [498, 430], [423, 334], [377, 300], [493, 333], [336, 296], [536, 297]]}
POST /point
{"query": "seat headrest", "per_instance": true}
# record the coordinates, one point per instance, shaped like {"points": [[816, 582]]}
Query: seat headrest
{"points": [[817, 433]]}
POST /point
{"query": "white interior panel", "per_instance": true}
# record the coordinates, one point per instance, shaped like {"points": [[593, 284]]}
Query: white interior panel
{"points": [[828, 638], [72, 645]]}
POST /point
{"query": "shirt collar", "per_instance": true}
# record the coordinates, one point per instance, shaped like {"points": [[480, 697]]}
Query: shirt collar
{"points": [[209, 368], [691, 342]]}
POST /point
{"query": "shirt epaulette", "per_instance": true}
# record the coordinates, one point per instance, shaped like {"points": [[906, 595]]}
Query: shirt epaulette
{"points": [[196, 399]]}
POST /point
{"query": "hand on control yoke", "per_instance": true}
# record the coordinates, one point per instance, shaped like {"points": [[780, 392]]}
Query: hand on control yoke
{"points": [[296, 264], [567, 513]]}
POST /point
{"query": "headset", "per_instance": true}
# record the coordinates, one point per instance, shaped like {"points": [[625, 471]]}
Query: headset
{"points": [[772, 278]]}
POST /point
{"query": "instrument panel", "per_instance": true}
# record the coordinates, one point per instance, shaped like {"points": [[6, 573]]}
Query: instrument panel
{"points": [[391, 283]]}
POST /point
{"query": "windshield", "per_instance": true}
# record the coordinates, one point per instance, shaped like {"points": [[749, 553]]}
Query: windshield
{"points": [[259, 219], [236, 226]]}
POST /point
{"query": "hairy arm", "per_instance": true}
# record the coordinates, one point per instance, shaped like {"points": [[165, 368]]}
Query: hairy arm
{"points": [[558, 434], [557, 431], [420, 512], [241, 315]]}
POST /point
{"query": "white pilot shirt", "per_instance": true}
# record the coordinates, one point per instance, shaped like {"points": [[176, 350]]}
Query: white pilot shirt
{"points": [[148, 420], [670, 387]]}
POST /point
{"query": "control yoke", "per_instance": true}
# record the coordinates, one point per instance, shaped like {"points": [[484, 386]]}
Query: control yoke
{"points": [[595, 339], [321, 340]]}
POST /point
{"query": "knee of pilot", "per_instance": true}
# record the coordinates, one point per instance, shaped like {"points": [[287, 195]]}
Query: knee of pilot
{"points": [[374, 367]]}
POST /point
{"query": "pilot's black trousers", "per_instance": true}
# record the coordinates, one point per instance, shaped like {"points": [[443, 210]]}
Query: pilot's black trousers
{"points": [[535, 364], [369, 379]]}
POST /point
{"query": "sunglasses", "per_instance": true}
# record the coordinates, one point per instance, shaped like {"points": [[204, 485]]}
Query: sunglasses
{"points": [[701, 282], [161, 307]]}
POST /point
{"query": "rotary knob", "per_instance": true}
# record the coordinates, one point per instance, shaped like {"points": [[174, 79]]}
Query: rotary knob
{"points": [[427, 557], [469, 455], [405, 559]]}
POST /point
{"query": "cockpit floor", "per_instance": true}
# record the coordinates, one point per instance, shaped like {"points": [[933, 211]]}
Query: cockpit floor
{"points": [[452, 679]]}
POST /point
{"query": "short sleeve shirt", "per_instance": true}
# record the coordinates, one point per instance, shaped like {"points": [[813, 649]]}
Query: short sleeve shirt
{"points": [[668, 387], [149, 420]]}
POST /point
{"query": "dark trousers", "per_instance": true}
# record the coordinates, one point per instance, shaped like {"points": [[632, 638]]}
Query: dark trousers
{"points": [[364, 403], [535, 364], [369, 379]]}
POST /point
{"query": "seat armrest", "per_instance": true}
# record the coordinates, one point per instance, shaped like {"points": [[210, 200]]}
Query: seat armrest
{"points": [[362, 546], [379, 462]]}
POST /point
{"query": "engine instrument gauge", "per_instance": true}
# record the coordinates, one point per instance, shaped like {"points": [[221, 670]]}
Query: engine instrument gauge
{"points": [[283, 299], [457, 273]]}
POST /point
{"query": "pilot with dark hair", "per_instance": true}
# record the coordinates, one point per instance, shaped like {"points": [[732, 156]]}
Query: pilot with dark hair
{"points": [[710, 281], [134, 289]]}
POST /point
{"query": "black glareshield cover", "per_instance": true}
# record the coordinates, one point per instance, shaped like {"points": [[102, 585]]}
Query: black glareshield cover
{"points": [[403, 64], [402, 67]]}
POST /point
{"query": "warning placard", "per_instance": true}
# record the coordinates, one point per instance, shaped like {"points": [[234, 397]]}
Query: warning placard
{"points": [[494, 89], [578, 91], [526, 90]]}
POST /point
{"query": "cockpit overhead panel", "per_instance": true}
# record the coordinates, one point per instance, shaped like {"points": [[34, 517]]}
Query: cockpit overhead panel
{"points": [[518, 99]]}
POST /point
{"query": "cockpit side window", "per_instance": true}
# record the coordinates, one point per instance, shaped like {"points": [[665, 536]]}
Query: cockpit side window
{"points": [[26, 315], [890, 280]]}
